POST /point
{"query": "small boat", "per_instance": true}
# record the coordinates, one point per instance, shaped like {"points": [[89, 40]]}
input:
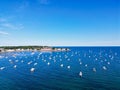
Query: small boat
{"points": [[104, 68], [2, 68], [32, 69], [15, 66], [48, 63], [61, 65], [68, 67], [94, 69], [80, 74]]}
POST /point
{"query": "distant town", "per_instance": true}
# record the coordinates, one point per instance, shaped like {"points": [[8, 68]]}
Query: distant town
{"points": [[30, 48]]}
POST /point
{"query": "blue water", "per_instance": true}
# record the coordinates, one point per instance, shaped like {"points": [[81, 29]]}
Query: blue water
{"points": [[50, 75]]}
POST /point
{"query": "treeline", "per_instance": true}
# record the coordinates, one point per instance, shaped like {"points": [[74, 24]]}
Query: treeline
{"points": [[24, 47]]}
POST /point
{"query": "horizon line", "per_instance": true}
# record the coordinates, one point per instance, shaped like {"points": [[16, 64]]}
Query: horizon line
{"points": [[66, 45]]}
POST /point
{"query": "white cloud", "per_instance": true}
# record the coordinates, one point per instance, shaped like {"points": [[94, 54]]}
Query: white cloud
{"points": [[3, 33], [8, 25], [12, 26], [5, 23]]}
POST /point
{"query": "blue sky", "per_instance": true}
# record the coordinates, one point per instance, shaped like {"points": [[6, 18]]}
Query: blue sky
{"points": [[60, 22]]}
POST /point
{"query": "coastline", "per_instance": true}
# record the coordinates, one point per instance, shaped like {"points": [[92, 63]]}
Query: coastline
{"points": [[31, 48]]}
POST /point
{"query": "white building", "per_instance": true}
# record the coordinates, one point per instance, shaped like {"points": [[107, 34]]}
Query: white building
{"points": [[1, 49]]}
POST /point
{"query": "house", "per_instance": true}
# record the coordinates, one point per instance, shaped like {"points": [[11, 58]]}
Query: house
{"points": [[46, 49], [1, 49]]}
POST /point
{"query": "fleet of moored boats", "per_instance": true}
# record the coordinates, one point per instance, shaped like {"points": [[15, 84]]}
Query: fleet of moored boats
{"points": [[40, 56]]}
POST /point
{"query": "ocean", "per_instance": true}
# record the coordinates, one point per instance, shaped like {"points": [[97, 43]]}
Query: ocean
{"points": [[81, 68]]}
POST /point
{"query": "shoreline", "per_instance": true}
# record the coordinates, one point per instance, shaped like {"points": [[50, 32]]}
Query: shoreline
{"points": [[31, 48]]}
